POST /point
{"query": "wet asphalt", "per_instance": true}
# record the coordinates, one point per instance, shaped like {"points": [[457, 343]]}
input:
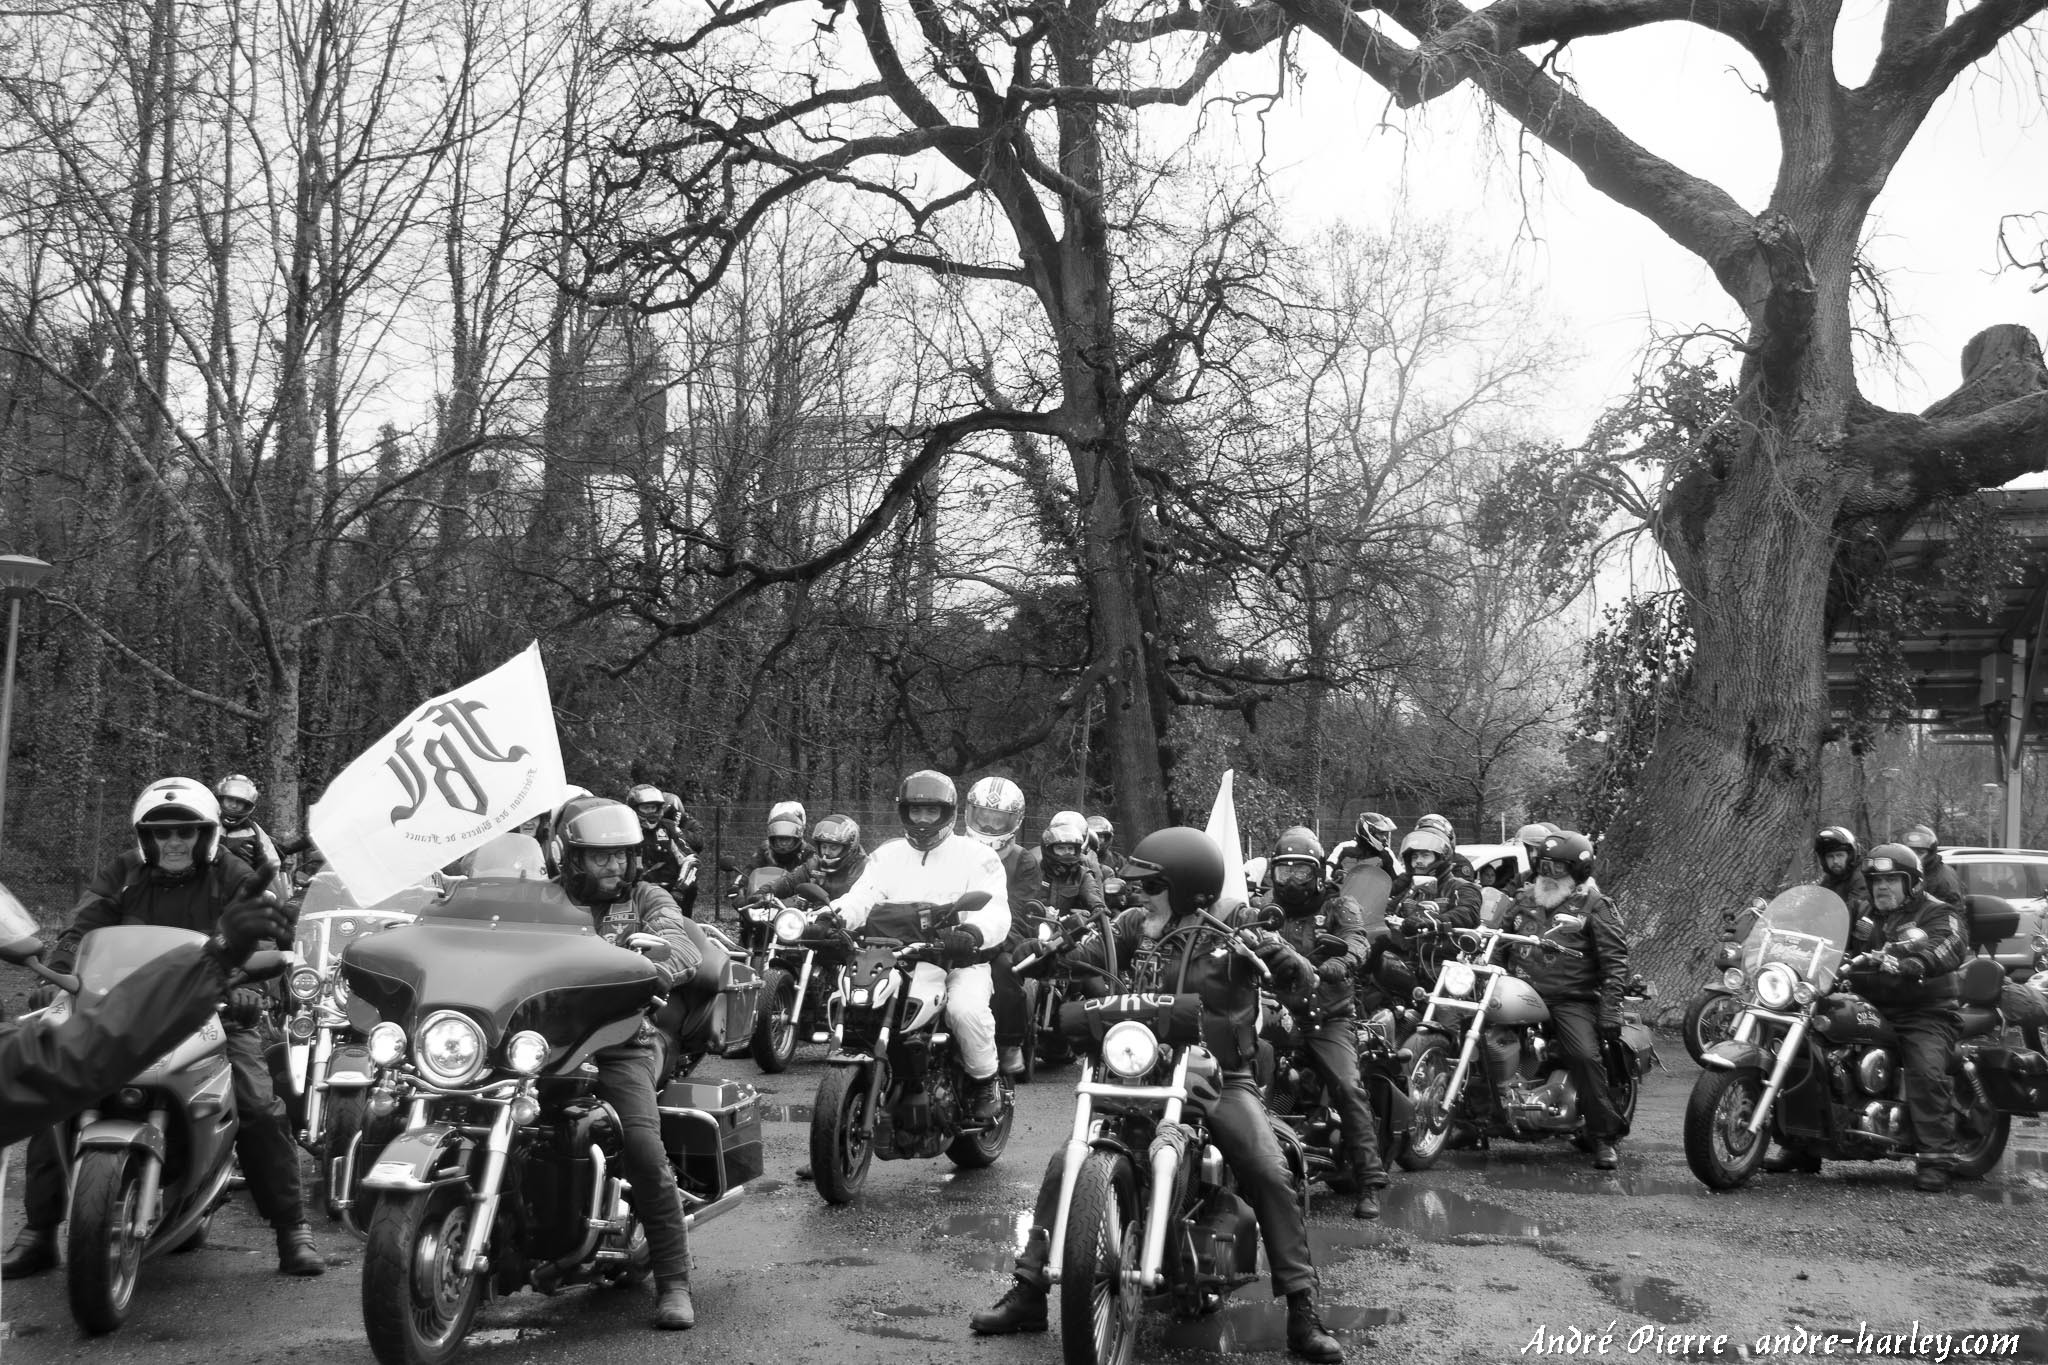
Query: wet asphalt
{"points": [[1518, 1253]]}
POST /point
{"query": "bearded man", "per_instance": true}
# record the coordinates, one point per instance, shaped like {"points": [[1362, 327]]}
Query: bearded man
{"points": [[1583, 988]]}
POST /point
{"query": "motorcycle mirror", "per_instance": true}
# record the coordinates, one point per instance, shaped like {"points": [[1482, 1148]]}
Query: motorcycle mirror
{"points": [[264, 965], [972, 901], [1272, 917], [21, 950]]}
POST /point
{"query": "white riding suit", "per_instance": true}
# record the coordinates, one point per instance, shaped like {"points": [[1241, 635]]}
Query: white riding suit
{"points": [[898, 874]]}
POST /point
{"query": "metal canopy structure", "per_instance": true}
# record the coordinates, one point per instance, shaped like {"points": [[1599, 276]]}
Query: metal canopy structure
{"points": [[1976, 679]]}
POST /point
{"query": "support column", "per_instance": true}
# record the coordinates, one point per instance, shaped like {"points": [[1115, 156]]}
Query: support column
{"points": [[2018, 710]]}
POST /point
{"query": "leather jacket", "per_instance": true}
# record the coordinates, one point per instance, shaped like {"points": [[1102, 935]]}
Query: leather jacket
{"points": [[1586, 923]]}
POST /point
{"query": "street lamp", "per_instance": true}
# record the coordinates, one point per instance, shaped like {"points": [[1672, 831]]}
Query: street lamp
{"points": [[1991, 794], [18, 574], [1891, 777]]}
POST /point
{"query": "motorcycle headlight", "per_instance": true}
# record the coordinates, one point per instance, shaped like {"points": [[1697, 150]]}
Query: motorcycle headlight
{"points": [[1456, 979], [450, 1048], [1729, 956], [1129, 1049], [1804, 993], [1733, 979], [387, 1044], [789, 926], [300, 1027], [525, 1051], [1774, 986], [760, 914], [861, 996], [305, 983]]}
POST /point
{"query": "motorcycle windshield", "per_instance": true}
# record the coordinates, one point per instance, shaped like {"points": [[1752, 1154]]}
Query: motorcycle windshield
{"points": [[107, 956], [1368, 884], [762, 879], [321, 935], [326, 892], [1807, 929]]}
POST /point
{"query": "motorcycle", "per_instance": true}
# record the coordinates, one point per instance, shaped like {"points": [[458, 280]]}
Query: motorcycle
{"points": [[1817, 1067], [150, 1163], [1710, 1014], [1147, 1205], [894, 1085], [797, 983], [1038, 965], [1473, 996], [482, 1017], [327, 1060]]}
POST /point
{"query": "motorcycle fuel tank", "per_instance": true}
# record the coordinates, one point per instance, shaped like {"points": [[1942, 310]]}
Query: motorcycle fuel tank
{"points": [[1850, 1018], [1516, 1002]]}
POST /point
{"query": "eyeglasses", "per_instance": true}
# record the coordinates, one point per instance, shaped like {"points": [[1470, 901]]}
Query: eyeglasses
{"points": [[606, 857], [181, 832], [1148, 886]]}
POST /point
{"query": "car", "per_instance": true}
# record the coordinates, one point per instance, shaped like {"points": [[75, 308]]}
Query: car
{"points": [[2019, 875]]}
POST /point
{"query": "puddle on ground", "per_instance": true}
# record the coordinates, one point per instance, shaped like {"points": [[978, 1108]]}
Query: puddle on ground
{"points": [[831, 1261], [765, 1186], [1436, 1215], [886, 1328], [990, 1241], [1649, 1296], [1261, 1325], [908, 1310], [500, 1336], [1576, 1178], [785, 1113], [18, 1331]]}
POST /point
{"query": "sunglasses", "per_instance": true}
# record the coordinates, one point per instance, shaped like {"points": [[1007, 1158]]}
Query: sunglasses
{"points": [[1551, 867], [175, 831], [1148, 886]]}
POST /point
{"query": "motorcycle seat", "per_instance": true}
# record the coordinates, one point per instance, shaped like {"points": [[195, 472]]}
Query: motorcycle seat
{"points": [[1980, 981], [1978, 1020]]}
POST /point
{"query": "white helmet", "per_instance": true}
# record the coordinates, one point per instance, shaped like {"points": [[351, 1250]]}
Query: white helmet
{"points": [[177, 801], [786, 820], [995, 811]]}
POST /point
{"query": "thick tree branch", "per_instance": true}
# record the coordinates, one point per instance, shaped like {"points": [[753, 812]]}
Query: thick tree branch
{"points": [[156, 670], [1787, 326]]}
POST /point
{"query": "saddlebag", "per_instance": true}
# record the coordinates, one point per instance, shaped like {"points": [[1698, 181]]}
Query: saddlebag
{"points": [[713, 1131], [739, 1000], [2014, 1078]]}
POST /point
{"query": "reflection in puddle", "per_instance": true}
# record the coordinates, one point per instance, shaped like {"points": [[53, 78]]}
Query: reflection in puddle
{"points": [[1261, 1325], [838, 1261], [785, 1113], [1649, 1296], [499, 1336], [994, 1238], [1577, 1179], [1442, 1215], [908, 1310]]}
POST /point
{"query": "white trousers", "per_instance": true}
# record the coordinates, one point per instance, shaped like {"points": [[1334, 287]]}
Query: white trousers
{"points": [[968, 1011]]}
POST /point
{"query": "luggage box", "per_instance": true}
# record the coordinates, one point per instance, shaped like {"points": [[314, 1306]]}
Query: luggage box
{"points": [[713, 1128], [2015, 1078]]}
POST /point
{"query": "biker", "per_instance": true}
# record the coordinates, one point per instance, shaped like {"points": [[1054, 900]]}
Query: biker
{"points": [[1311, 906], [249, 841], [177, 875], [1172, 873], [1372, 841], [1839, 860], [930, 864], [1908, 951], [600, 841], [1459, 863], [1582, 988], [995, 812], [662, 849], [784, 847], [1530, 837], [1102, 844], [1073, 879], [836, 862], [1937, 878], [1407, 957]]}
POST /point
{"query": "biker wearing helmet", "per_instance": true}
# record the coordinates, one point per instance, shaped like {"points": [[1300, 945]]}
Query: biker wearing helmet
{"points": [[1566, 906], [1311, 908], [249, 841], [1937, 878], [1102, 844], [1430, 899], [784, 847], [1841, 868], [1173, 873], [994, 812], [662, 850], [1372, 841], [1073, 879], [177, 875], [600, 848], [931, 865], [836, 862]]}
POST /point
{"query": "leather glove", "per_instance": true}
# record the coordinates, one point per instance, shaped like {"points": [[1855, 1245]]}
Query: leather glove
{"points": [[830, 919], [41, 995], [1912, 968], [247, 922], [245, 1006], [1334, 970], [957, 945]]}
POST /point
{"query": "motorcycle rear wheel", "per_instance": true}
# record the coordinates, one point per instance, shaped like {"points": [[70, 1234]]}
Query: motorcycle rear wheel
{"points": [[1099, 1308], [417, 1306], [1718, 1145], [842, 1139], [774, 1043], [1981, 1134], [984, 1148], [1709, 1019], [102, 1253], [346, 1111], [1429, 1083]]}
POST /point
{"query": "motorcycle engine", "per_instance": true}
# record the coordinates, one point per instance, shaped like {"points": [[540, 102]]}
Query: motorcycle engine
{"points": [[1874, 1071]]}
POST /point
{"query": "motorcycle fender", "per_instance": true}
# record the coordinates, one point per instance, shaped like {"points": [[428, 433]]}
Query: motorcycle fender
{"points": [[1734, 1056], [350, 1069], [1392, 1100], [418, 1160], [123, 1133]]}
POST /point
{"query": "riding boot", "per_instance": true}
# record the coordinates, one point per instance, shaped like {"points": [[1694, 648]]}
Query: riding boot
{"points": [[1306, 1335], [33, 1252], [296, 1254], [1020, 1309], [1367, 1204], [985, 1098], [673, 1311]]}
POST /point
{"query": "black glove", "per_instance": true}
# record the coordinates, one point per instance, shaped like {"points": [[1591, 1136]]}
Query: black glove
{"points": [[247, 922], [830, 919], [1334, 970], [40, 995], [1912, 969], [245, 1006], [957, 945], [1614, 1053]]}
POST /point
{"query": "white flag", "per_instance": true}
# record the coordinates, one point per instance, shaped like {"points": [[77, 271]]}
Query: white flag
{"points": [[1223, 829], [454, 774]]}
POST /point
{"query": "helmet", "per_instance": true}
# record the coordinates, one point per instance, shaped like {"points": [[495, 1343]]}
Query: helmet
{"points": [[1894, 860], [1421, 840], [1834, 838], [1572, 849], [1919, 838], [671, 807], [1101, 833], [1440, 825], [1190, 862], [640, 797], [927, 788], [1296, 865], [995, 811], [786, 820], [588, 823], [1375, 832], [1066, 835], [1551, 826], [239, 790], [1533, 835], [177, 801], [835, 837]]}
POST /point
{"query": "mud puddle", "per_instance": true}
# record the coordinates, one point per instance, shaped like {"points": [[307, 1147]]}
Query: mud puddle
{"points": [[785, 1113], [1647, 1296], [894, 1323], [989, 1241], [502, 1336], [1572, 1178], [1436, 1215], [1261, 1325]]}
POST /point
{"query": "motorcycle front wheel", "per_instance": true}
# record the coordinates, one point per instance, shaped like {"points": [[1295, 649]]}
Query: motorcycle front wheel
{"points": [[103, 1252], [1709, 1019], [1719, 1147], [774, 1042], [417, 1302], [1100, 1306], [346, 1110], [842, 1138], [1429, 1087]]}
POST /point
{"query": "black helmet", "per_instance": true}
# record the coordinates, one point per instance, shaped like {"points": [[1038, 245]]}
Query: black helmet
{"points": [[1834, 839], [1301, 853], [1920, 839], [591, 823], [1572, 849], [927, 788], [1893, 860], [1189, 861], [835, 837]]}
